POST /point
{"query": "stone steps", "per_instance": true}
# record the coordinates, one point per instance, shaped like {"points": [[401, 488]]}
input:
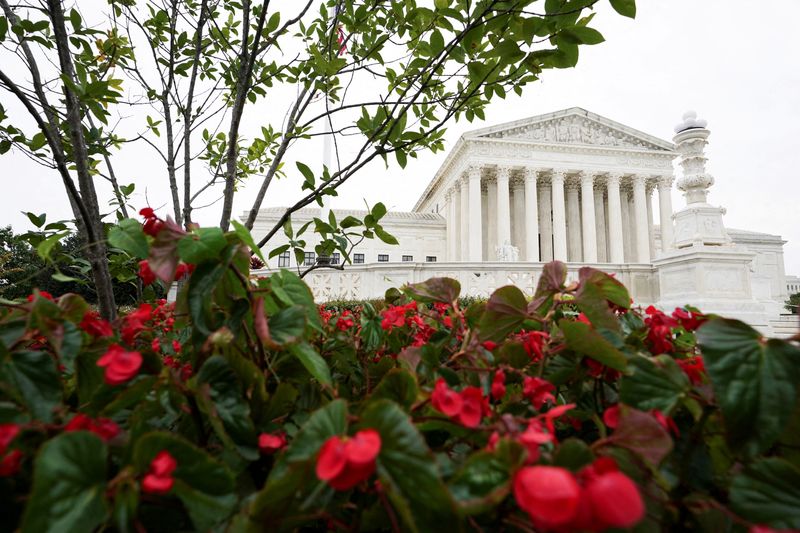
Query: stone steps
{"points": [[785, 326]]}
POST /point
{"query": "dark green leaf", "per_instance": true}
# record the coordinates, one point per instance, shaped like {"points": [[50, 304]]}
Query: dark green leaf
{"points": [[313, 362], [573, 454], [203, 244], [69, 483], [655, 384], [444, 290], [626, 8], [244, 235], [34, 378], [505, 311], [408, 472], [755, 381], [287, 325], [483, 481], [398, 385], [642, 434], [768, 492]]}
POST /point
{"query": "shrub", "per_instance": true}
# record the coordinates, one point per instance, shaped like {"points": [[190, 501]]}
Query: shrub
{"points": [[244, 407]]}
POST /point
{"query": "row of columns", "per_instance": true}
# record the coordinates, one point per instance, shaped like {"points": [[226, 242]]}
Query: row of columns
{"points": [[580, 215]]}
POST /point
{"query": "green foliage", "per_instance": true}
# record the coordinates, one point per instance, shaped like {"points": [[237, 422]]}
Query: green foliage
{"points": [[242, 388]]}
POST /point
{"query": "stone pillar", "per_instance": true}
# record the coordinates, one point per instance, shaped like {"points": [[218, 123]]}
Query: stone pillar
{"points": [[628, 236], [546, 222], [600, 223], [518, 216], [503, 208], [463, 247], [559, 216], [474, 214], [615, 238], [531, 216], [665, 212], [589, 224], [491, 220], [452, 224], [651, 238], [574, 246], [642, 240]]}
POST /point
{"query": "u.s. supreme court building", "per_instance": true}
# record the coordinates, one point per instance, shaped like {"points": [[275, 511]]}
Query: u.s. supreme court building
{"points": [[576, 187]]}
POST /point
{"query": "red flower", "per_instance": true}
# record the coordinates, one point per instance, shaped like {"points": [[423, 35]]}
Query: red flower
{"points": [[147, 275], [345, 322], [549, 494], [660, 333], [611, 416], [489, 345], [159, 479], [533, 341], [445, 400], [95, 326], [471, 407], [105, 428], [538, 391], [688, 319], [666, 422], [583, 318], [345, 462], [393, 317], [8, 432], [182, 270], [615, 501], [120, 365], [499, 385], [533, 437], [152, 224], [10, 463], [694, 368], [42, 294], [133, 323], [270, 443]]}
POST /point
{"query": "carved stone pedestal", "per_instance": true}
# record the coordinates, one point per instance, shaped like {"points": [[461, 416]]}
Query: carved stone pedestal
{"points": [[713, 279], [700, 224]]}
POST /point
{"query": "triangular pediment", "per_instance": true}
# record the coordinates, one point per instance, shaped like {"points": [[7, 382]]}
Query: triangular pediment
{"points": [[573, 126]]}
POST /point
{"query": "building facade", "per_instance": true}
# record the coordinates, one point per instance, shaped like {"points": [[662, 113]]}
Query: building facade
{"points": [[576, 187]]}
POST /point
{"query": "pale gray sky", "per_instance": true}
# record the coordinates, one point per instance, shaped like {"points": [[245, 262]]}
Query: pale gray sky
{"points": [[736, 62]]}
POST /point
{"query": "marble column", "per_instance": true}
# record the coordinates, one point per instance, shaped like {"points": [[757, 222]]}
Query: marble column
{"points": [[589, 224], [463, 223], [574, 246], [628, 236], [665, 212], [651, 242], [559, 216], [531, 216], [546, 222], [491, 220], [503, 208], [600, 224], [615, 238], [474, 214], [640, 220], [518, 216], [452, 224]]}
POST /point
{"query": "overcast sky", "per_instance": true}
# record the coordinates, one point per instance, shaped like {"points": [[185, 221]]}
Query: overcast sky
{"points": [[736, 63]]}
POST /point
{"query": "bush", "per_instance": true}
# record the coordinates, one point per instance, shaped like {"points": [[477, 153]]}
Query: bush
{"points": [[243, 407]]}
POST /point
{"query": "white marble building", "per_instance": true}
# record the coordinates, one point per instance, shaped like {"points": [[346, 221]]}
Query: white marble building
{"points": [[576, 187]]}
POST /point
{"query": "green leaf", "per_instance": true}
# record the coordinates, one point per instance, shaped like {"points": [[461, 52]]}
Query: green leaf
{"points": [[294, 291], [35, 380], [444, 290], [573, 454], [313, 362], [378, 211], [505, 311], [408, 471], [306, 172], [755, 381], [69, 482], [128, 235], [584, 340], [398, 385], [203, 244], [246, 237], [201, 287], [292, 479], [484, 480], [655, 384], [44, 248], [768, 492], [287, 325], [205, 486], [385, 237], [37, 220], [626, 8], [582, 35], [229, 403]]}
